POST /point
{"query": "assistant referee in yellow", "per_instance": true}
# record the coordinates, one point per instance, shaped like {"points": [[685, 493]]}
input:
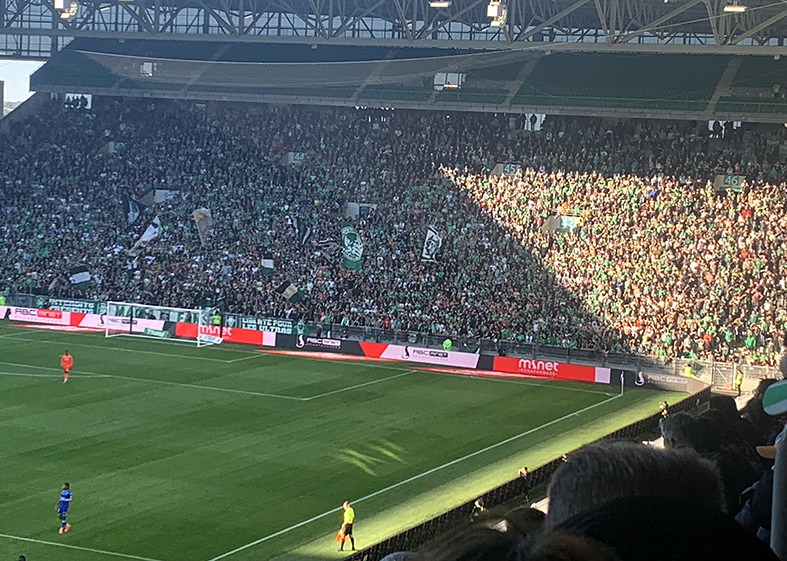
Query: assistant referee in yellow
{"points": [[347, 525]]}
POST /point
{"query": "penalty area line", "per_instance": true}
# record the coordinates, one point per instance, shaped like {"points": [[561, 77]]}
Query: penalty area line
{"points": [[165, 382], [413, 478], [79, 548], [85, 374], [122, 349], [29, 375], [356, 386]]}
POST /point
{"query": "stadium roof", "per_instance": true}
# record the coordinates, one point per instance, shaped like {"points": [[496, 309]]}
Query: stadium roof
{"points": [[661, 86], [36, 28]]}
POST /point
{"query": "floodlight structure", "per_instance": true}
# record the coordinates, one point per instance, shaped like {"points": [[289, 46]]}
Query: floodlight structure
{"points": [[70, 11], [498, 11], [735, 8], [440, 4]]}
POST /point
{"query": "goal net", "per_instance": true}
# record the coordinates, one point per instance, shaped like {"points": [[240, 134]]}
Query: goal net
{"points": [[161, 322]]}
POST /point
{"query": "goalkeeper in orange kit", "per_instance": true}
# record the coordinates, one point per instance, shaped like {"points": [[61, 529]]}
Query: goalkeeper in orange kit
{"points": [[66, 362]]}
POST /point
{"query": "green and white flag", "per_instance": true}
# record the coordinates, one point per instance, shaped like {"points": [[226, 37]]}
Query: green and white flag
{"points": [[290, 291], [267, 264], [352, 247], [302, 230], [80, 277], [153, 231]]}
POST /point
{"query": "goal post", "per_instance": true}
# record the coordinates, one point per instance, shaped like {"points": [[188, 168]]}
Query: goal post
{"points": [[161, 322]]}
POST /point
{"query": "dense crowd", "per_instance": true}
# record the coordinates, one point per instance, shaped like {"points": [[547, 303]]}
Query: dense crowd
{"points": [[660, 263]]}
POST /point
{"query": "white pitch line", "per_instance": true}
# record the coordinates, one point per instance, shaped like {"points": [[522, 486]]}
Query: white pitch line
{"points": [[18, 334], [91, 374], [101, 551], [427, 369], [28, 375], [214, 388], [255, 355], [413, 478], [514, 381], [358, 385], [71, 344], [152, 381]]}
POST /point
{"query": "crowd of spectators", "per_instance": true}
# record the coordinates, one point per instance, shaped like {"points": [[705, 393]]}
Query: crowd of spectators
{"points": [[660, 262]]}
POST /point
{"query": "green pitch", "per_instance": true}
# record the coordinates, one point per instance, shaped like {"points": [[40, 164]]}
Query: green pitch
{"points": [[176, 453]]}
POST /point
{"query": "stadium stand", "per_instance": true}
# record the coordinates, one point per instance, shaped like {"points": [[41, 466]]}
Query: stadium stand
{"points": [[499, 275]]}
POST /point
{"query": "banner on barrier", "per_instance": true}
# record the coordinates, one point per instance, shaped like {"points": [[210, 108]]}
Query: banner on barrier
{"points": [[549, 369], [417, 354], [303, 342], [268, 338], [274, 325], [228, 334], [35, 315], [64, 305], [654, 381]]}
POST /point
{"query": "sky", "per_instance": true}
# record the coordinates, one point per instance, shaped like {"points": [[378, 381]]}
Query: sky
{"points": [[16, 75]]}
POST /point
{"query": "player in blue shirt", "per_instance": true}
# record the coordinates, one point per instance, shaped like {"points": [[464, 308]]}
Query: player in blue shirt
{"points": [[62, 507]]}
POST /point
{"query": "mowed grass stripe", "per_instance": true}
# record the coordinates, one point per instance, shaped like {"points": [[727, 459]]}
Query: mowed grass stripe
{"points": [[410, 480], [170, 472]]}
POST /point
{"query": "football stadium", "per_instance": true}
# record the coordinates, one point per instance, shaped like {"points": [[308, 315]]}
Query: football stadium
{"points": [[390, 280]]}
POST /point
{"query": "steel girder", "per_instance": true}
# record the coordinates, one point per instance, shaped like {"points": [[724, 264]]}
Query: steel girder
{"points": [[34, 28]]}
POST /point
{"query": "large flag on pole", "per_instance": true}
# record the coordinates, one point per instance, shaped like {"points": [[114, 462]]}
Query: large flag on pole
{"points": [[267, 264], [290, 291], [132, 209], [352, 247], [151, 233], [204, 222], [330, 248], [302, 230], [432, 243], [80, 277]]}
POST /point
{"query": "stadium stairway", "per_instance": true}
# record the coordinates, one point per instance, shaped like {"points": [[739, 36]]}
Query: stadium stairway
{"points": [[520, 79], [725, 83], [370, 79]]}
